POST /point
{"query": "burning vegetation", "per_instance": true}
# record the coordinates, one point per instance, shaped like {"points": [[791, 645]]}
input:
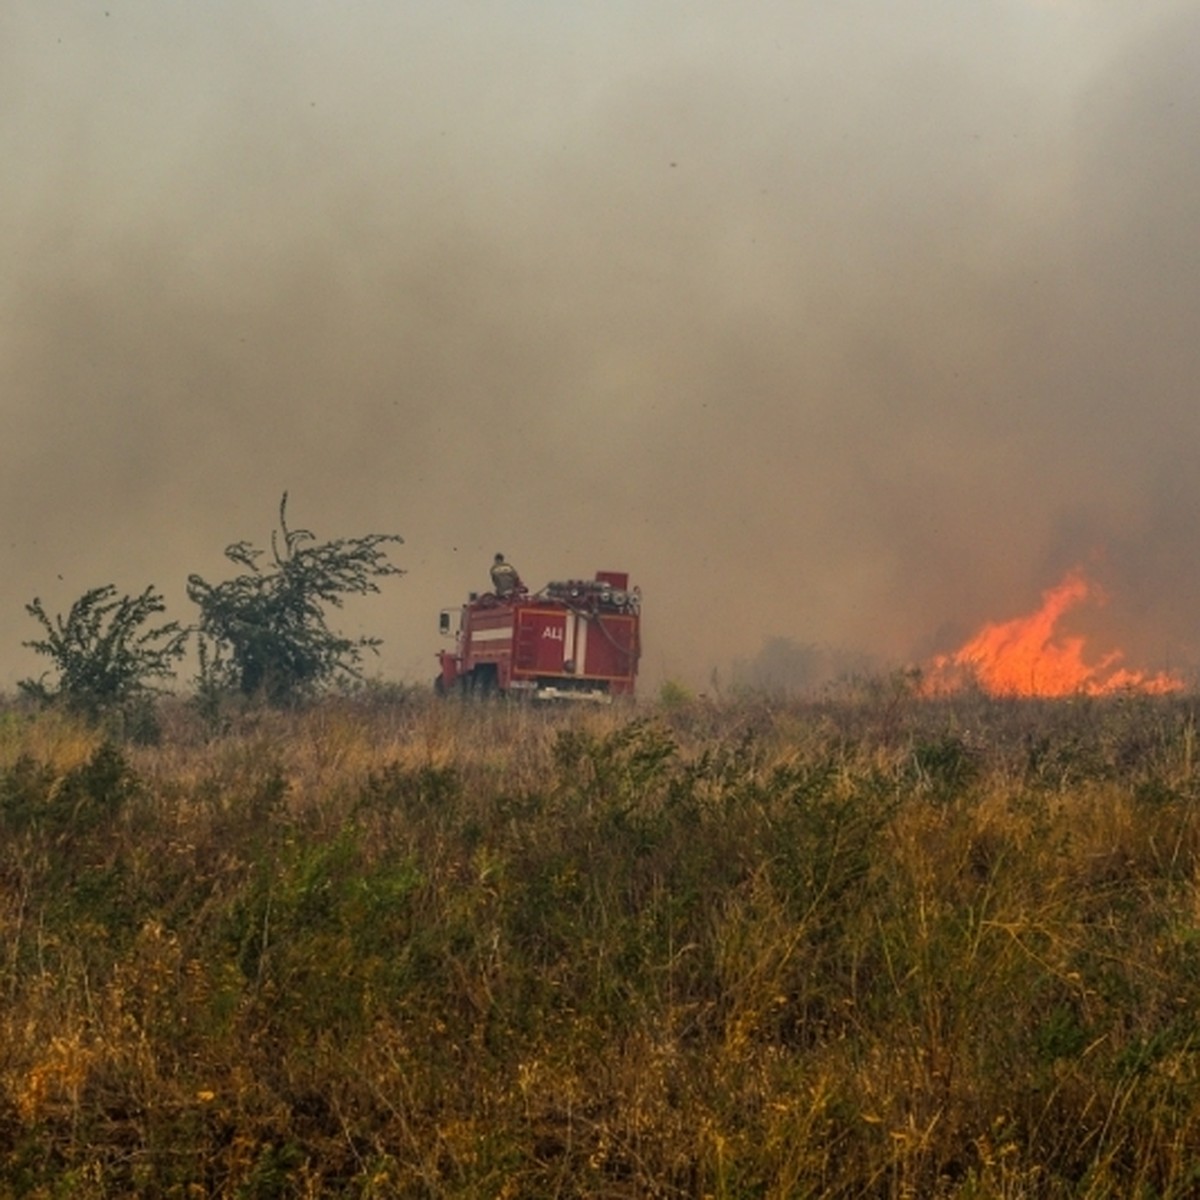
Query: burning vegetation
{"points": [[1033, 656]]}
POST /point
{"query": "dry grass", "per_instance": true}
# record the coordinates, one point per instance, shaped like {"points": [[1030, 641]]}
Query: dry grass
{"points": [[875, 946]]}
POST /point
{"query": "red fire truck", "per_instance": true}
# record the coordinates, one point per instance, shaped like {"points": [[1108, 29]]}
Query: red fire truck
{"points": [[576, 640]]}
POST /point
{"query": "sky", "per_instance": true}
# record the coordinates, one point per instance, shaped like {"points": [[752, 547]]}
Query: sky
{"points": [[852, 324]]}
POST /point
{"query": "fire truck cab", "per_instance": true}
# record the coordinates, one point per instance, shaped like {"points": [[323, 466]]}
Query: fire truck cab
{"points": [[574, 640]]}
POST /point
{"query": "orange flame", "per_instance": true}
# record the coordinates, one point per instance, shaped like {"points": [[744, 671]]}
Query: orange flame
{"points": [[1025, 657]]}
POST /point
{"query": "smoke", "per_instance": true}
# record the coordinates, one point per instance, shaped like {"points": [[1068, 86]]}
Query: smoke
{"points": [[850, 327]]}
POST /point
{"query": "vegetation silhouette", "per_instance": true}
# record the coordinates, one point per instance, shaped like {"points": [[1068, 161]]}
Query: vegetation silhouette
{"points": [[264, 633]]}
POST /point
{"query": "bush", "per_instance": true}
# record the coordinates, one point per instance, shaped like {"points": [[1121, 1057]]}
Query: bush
{"points": [[104, 653], [266, 630]]}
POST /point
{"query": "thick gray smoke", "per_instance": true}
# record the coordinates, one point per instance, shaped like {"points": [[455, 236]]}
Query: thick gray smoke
{"points": [[852, 324]]}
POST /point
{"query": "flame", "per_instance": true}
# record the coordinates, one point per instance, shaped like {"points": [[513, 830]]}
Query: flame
{"points": [[1026, 657]]}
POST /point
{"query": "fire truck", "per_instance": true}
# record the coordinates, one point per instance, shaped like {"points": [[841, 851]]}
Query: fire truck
{"points": [[575, 640]]}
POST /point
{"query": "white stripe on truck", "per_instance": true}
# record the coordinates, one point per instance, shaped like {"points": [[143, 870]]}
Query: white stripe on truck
{"points": [[491, 635]]}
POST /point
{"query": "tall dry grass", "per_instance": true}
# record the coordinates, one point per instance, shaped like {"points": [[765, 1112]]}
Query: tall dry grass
{"points": [[869, 946]]}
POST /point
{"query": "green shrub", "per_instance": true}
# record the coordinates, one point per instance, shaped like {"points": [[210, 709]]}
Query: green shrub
{"points": [[265, 632], [105, 657]]}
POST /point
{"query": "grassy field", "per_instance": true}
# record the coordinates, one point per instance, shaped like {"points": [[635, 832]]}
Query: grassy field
{"points": [[873, 946]]}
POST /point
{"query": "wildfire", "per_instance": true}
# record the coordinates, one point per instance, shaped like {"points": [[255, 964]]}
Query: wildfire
{"points": [[1027, 657]]}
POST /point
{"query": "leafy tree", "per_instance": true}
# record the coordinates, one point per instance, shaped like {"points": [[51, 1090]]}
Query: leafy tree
{"points": [[266, 629], [103, 651]]}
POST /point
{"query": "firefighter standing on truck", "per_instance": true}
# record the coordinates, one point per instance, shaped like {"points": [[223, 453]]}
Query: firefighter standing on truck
{"points": [[505, 580]]}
